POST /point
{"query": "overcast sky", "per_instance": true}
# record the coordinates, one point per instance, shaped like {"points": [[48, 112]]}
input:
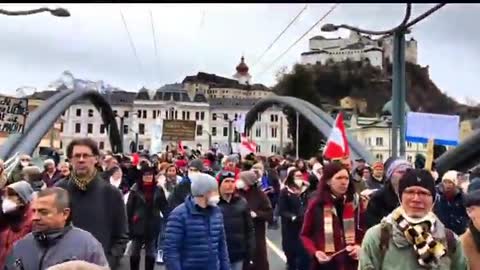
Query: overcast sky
{"points": [[93, 43]]}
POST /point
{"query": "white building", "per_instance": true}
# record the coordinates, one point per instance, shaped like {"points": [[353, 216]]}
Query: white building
{"points": [[208, 99], [356, 48]]}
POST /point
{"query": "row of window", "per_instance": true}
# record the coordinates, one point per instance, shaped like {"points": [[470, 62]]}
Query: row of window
{"points": [[380, 157], [379, 142]]}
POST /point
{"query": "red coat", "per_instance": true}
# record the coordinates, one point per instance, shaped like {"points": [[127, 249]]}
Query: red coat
{"points": [[9, 235]]}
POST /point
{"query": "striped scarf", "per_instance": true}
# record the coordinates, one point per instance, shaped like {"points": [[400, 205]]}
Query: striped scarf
{"points": [[428, 250], [82, 182], [331, 223]]}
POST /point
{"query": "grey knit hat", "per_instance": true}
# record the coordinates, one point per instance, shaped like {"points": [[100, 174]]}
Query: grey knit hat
{"points": [[202, 183], [397, 164], [23, 190], [249, 177]]}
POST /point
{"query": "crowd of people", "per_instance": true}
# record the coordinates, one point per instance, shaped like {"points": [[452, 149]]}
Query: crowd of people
{"points": [[199, 210]]}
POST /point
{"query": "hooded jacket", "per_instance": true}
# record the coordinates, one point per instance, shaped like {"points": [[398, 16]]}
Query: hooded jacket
{"points": [[381, 204]]}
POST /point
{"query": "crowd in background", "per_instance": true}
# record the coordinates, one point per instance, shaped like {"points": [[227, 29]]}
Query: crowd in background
{"points": [[195, 209]]}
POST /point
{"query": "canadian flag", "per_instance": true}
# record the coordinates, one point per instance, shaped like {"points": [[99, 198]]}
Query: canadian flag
{"points": [[337, 143], [247, 146]]}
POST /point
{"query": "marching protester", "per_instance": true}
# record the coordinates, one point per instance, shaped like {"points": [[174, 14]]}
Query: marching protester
{"points": [[97, 206], [471, 238], [385, 200], [54, 239], [182, 189], [333, 226], [315, 176], [50, 173], [411, 236], [145, 203], [261, 211], [302, 167], [65, 169], [292, 204], [34, 177], [377, 178], [449, 204], [16, 173], [15, 217], [117, 180], [238, 223], [195, 235]]}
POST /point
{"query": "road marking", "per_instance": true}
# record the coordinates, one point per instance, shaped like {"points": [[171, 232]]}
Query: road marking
{"points": [[277, 251]]}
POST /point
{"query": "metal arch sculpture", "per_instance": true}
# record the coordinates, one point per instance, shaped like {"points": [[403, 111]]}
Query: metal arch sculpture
{"points": [[461, 158], [321, 120], [31, 139], [13, 141]]}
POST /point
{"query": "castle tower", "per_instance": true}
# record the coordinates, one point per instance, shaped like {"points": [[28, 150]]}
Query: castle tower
{"points": [[242, 75]]}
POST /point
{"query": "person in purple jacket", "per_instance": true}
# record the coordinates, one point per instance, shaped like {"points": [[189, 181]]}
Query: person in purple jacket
{"points": [[54, 240]]}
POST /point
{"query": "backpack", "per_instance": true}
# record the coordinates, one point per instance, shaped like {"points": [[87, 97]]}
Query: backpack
{"points": [[386, 233]]}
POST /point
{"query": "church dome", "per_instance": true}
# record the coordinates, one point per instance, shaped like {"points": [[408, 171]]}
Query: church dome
{"points": [[388, 108], [242, 67]]}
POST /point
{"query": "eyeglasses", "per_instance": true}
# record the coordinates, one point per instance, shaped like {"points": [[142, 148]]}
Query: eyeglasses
{"points": [[80, 156], [298, 175], [421, 194], [25, 159]]}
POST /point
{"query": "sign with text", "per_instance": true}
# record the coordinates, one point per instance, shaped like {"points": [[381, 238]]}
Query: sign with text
{"points": [[13, 113], [178, 130], [443, 129]]}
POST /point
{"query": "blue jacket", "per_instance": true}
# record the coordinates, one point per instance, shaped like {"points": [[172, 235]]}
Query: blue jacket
{"points": [[195, 238]]}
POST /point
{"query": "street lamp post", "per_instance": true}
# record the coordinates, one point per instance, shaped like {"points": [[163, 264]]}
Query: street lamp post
{"points": [[398, 70], [122, 124], [58, 12], [209, 138]]}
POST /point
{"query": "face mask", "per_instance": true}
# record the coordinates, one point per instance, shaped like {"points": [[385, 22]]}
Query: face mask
{"points": [[213, 200], [298, 182], [240, 184], [24, 163], [8, 206]]}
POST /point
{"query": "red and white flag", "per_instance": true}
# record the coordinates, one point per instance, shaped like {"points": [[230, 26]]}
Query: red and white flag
{"points": [[247, 146], [337, 143], [180, 147]]}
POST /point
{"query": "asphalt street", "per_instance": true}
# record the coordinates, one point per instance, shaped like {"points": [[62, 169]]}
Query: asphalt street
{"points": [[276, 257]]}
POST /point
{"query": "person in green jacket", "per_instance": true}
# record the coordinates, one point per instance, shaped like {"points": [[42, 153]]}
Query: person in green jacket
{"points": [[412, 237]]}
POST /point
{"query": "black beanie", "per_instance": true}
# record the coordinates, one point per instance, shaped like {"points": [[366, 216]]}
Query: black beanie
{"points": [[419, 178], [224, 175]]}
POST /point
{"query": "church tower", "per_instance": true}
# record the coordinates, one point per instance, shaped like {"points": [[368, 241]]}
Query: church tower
{"points": [[242, 75]]}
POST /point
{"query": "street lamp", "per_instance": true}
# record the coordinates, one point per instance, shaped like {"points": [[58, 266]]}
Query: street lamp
{"points": [[58, 12], [209, 138], [398, 69]]}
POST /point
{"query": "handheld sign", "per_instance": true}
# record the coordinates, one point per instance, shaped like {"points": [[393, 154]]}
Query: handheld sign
{"points": [[443, 129]]}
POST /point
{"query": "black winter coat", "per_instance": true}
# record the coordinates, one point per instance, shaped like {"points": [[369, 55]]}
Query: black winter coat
{"points": [[144, 219], [451, 213], [382, 203], [100, 210], [238, 229], [291, 205], [179, 194]]}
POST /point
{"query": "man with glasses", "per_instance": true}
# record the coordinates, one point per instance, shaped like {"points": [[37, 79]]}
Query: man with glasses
{"points": [[419, 239], [16, 174], [97, 206], [385, 200]]}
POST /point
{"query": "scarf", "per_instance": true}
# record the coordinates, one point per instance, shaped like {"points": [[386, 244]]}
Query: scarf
{"points": [[148, 189], [82, 182], [475, 234], [428, 250], [331, 223]]}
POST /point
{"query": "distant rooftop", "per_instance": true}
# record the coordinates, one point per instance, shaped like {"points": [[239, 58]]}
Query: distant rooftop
{"points": [[216, 81]]}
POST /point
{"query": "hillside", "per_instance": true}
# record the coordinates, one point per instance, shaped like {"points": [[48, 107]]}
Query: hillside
{"points": [[326, 85], [330, 83]]}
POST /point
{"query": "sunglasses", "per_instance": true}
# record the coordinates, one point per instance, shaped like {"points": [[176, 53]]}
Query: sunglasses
{"points": [[227, 174]]}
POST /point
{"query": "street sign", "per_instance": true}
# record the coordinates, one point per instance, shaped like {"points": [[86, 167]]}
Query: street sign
{"points": [[178, 130], [13, 114]]}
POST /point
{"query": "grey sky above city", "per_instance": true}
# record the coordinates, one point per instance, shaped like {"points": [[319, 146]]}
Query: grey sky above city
{"points": [[93, 43]]}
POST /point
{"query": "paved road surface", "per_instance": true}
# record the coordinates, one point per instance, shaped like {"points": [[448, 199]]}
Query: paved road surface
{"points": [[274, 246]]}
